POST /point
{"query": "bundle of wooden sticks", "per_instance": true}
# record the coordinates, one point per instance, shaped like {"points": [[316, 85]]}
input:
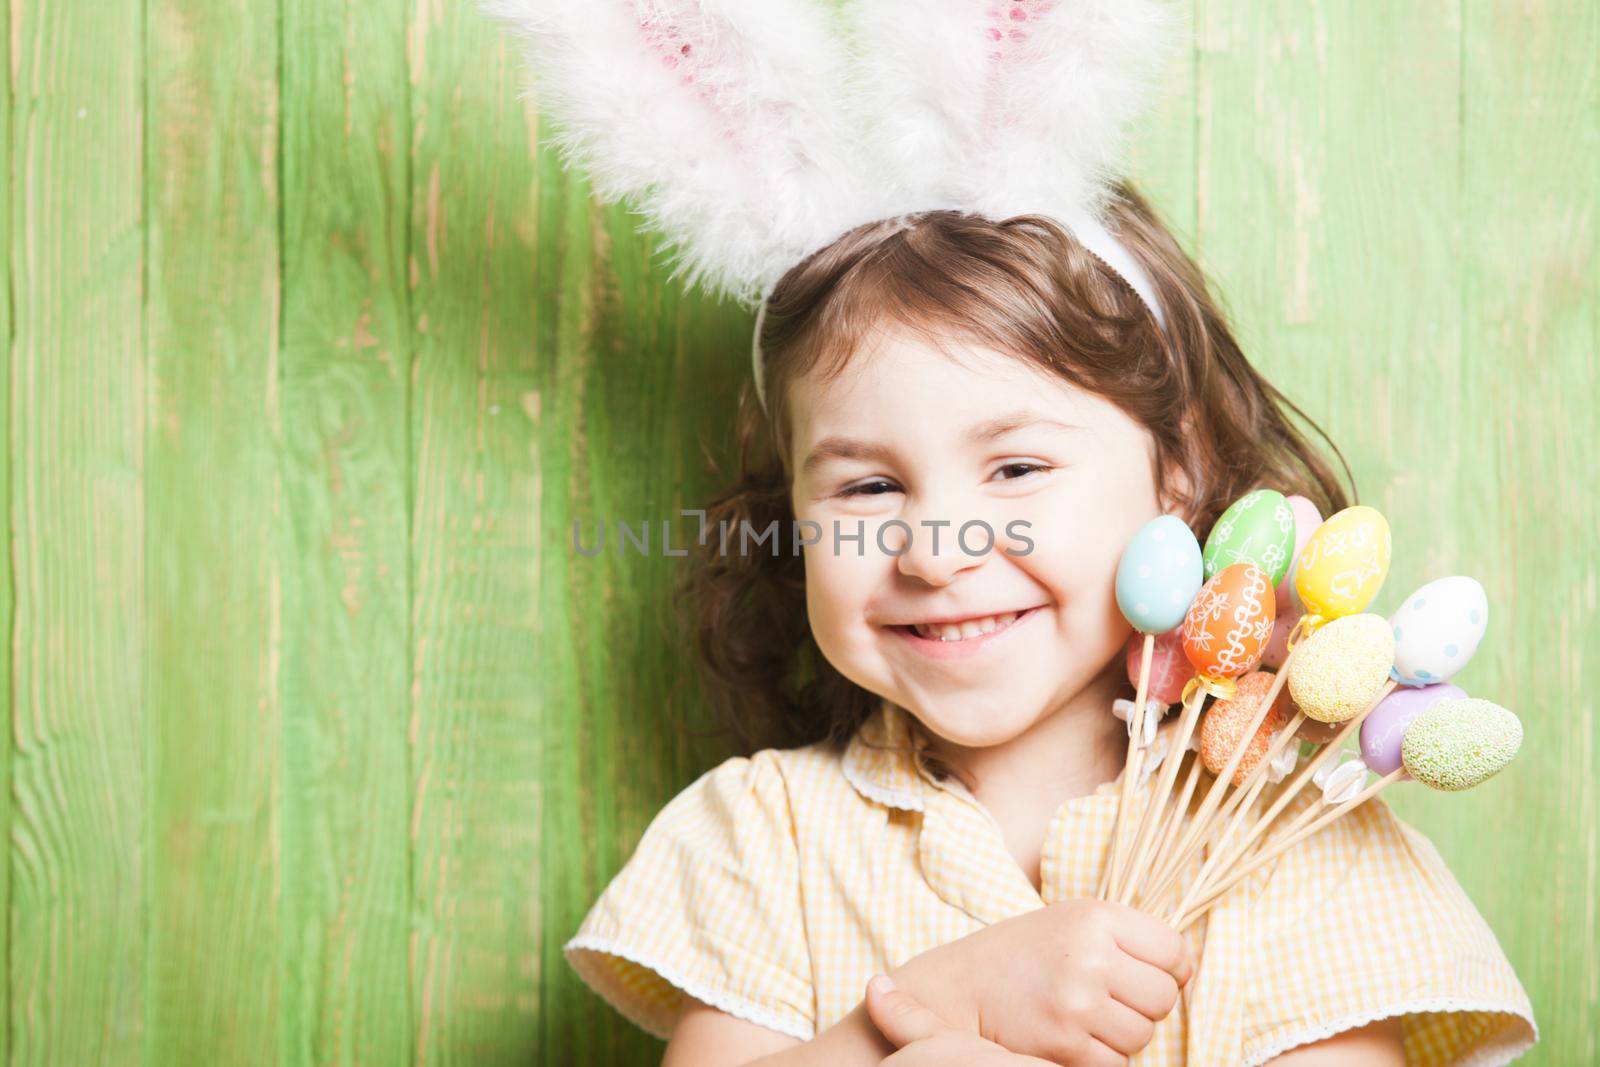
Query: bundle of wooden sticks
{"points": [[1277, 587]]}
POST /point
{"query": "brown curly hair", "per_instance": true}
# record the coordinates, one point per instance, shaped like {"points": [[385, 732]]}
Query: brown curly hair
{"points": [[1026, 286]]}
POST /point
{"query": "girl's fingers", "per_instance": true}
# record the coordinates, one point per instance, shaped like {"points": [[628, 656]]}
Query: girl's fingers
{"points": [[1156, 943], [1100, 1054], [899, 1016], [1124, 1029], [1148, 990]]}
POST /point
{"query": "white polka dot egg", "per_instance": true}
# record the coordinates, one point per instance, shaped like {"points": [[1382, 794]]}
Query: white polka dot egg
{"points": [[1437, 630]]}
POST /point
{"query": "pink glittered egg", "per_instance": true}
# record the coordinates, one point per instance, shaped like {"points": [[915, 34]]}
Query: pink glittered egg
{"points": [[1306, 520], [1169, 668]]}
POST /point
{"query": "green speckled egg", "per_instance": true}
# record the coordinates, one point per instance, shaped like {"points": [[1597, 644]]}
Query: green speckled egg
{"points": [[1460, 742], [1338, 671]]}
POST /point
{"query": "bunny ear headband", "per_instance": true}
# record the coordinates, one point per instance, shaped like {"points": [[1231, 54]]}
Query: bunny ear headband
{"points": [[751, 133]]}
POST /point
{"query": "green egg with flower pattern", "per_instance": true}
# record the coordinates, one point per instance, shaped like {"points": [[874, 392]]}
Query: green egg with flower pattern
{"points": [[1257, 528]]}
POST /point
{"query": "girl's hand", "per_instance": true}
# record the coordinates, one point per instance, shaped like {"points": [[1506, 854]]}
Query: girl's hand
{"points": [[925, 1040], [1075, 982]]}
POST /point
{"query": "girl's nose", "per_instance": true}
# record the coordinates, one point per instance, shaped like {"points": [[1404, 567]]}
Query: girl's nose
{"points": [[939, 548]]}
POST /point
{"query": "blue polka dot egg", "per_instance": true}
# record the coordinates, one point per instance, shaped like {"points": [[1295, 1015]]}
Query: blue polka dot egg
{"points": [[1437, 630], [1159, 574]]}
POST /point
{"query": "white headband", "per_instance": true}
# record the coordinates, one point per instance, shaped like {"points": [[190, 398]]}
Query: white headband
{"points": [[1093, 236]]}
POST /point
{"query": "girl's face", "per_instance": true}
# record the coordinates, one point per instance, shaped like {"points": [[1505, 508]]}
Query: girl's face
{"points": [[978, 645]]}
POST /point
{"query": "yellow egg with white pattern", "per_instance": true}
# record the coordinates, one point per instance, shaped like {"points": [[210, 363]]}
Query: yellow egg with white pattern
{"points": [[1343, 565]]}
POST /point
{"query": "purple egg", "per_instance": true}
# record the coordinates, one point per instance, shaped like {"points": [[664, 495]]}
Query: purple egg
{"points": [[1384, 729]]}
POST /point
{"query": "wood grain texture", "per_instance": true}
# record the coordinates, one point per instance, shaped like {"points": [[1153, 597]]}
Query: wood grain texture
{"points": [[213, 491], [8, 544], [79, 638], [346, 465], [323, 738], [476, 647]]}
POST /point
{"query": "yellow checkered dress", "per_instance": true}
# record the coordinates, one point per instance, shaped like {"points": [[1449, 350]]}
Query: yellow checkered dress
{"points": [[775, 885]]}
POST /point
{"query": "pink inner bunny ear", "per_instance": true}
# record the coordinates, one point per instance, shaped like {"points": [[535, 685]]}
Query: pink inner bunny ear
{"points": [[686, 42], [1009, 22], [1007, 31]]}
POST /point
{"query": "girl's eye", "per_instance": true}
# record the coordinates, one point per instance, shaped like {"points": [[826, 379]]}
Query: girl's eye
{"points": [[879, 486], [1026, 468], [868, 488]]}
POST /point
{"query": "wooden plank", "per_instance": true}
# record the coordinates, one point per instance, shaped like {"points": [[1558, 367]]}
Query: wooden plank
{"points": [[77, 466], [1517, 422], [215, 524], [1318, 194], [345, 378], [8, 225], [477, 642], [1163, 160], [77, 891]]}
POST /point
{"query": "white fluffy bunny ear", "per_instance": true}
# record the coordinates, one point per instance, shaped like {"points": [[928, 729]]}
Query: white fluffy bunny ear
{"points": [[1017, 104], [722, 121], [1011, 107]]}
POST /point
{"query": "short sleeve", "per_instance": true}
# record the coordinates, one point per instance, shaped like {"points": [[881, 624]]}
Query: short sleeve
{"points": [[708, 905], [1363, 921]]}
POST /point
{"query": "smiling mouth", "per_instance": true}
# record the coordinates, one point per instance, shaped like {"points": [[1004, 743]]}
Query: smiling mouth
{"points": [[966, 629]]}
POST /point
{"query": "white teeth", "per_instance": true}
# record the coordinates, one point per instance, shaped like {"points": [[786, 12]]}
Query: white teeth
{"points": [[961, 631]]}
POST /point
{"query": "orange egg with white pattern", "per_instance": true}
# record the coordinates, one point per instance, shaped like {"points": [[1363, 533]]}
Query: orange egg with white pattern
{"points": [[1230, 622]]}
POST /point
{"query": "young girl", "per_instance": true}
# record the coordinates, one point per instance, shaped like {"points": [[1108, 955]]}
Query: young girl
{"points": [[933, 766]]}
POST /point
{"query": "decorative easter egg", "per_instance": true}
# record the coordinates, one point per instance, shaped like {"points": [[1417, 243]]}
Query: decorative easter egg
{"points": [[1169, 667], [1306, 520], [1230, 622], [1158, 575], [1344, 563], [1338, 671], [1277, 650], [1460, 742], [1223, 727], [1257, 528], [1383, 730], [1437, 630]]}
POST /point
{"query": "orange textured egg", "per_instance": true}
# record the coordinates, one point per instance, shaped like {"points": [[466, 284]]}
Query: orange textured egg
{"points": [[1224, 725], [1230, 621]]}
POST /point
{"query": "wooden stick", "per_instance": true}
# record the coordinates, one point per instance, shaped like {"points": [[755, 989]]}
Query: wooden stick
{"points": [[1185, 917], [1238, 804], [1171, 860], [1165, 836], [1212, 871], [1131, 766], [1225, 776], [1256, 780], [1307, 773], [1177, 742], [1258, 776]]}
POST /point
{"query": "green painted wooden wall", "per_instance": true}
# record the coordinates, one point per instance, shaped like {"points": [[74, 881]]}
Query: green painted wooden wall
{"points": [[322, 740]]}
